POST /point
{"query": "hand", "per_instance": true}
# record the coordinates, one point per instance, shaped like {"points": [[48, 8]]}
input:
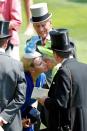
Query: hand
{"points": [[29, 31], [42, 100], [26, 122], [2, 121], [1, 16], [35, 104]]}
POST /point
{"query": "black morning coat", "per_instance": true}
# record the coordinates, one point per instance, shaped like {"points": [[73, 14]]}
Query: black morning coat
{"points": [[67, 101]]}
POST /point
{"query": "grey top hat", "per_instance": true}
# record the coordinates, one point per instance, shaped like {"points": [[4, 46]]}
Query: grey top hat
{"points": [[60, 41], [40, 12], [4, 29]]}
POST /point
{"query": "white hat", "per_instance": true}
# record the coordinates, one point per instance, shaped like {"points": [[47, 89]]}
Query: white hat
{"points": [[39, 12], [32, 55]]}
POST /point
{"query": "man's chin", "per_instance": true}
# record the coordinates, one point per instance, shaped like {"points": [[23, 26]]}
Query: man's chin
{"points": [[43, 36]]}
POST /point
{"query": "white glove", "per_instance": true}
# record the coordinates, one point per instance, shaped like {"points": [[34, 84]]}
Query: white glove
{"points": [[1, 129]]}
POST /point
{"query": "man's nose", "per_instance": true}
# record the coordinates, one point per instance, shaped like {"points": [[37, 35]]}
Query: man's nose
{"points": [[41, 28]]}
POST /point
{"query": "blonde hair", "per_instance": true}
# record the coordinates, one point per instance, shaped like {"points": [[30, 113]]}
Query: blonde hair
{"points": [[26, 63]]}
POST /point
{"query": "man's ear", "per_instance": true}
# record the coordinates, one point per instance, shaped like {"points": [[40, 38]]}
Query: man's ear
{"points": [[51, 22], [6, 44]]}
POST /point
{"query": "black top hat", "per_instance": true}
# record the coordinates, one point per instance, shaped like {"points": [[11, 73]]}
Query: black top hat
{"points": [[60, 41], [4, 29]]}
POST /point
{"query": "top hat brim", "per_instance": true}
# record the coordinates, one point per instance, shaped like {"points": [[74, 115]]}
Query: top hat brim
{"points": [[41, 18], [68, 51], [72, 44], [5, 36]]}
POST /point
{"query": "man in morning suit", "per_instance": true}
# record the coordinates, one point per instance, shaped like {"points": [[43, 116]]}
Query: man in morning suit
{"points": [[12, 85], [67, 97]]}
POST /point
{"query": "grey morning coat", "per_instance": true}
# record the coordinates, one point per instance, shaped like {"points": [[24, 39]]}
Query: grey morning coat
{"points": [[12, 92]]}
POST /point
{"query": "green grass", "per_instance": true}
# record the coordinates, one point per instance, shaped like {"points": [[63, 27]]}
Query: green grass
{"points": [[69, 14]]}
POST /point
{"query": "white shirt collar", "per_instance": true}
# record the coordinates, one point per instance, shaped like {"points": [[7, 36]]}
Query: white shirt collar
{"points": [[2, 50], [48, 36], [70, 57]]}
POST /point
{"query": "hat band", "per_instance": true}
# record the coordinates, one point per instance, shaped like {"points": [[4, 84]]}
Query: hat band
{"points": [[41, 18]]}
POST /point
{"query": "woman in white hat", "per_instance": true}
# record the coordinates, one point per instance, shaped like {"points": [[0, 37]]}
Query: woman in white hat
{"points": [[33, 66]]}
